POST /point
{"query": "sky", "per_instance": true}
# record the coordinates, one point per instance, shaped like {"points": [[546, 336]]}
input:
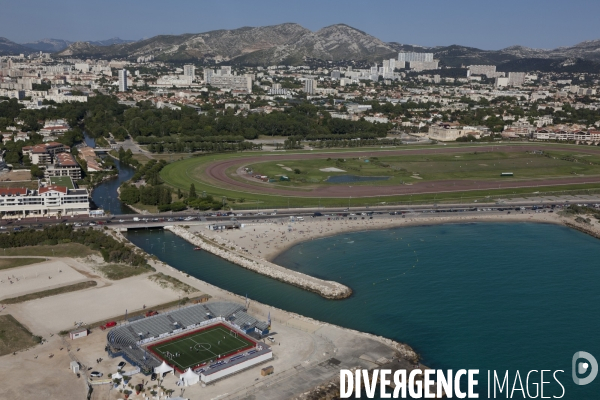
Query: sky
{"points": [[483, 24]]}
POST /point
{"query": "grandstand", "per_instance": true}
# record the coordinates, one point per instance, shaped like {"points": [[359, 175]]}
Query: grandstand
{"points": [[136, 340]]}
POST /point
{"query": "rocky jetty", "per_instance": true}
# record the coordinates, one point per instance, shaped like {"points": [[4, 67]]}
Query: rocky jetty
{"points": [[327, 289]]}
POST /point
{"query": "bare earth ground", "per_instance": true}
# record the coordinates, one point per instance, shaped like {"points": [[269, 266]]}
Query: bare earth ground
{"points": [[46, 275], [16, 175], [109, 298], [303, 346]]}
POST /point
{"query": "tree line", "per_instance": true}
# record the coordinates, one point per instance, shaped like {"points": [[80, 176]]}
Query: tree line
{"points": [[111, 249]]}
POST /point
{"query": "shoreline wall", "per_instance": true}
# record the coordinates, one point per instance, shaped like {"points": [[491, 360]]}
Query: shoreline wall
{"points": [[403, 349], [327, 289]]}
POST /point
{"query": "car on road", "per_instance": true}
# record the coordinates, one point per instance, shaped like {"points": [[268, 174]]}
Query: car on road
{"points": [[96, 374], [121, 220], [189, 219], [121, 364]]}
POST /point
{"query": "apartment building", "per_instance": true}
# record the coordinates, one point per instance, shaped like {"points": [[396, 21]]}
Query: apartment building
{"points": [[447, 132], [43, 154], [310, 85], [189, 70], [64, 164], [488, 70], [420, 57], [423, 65], [516, 78], [45, 201], [54, 127], [122, 80]]}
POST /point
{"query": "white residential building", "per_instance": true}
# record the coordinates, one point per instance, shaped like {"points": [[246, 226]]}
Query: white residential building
{"points": [[421, 57], [45, 201], [310, 85], [189, 70], [122, 80], [488, 70], [516, 78]]}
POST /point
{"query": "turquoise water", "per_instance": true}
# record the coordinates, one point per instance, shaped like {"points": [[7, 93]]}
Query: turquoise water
{"points": [[486, 296]]}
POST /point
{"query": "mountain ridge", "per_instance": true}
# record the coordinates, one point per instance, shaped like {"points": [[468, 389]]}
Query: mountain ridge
{"points": [[291, 43]]}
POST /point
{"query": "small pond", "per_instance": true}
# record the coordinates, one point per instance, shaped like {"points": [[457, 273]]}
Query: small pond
{"points": [[355, 178]]}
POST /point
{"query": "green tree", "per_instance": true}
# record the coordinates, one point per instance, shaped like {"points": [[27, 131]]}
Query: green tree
{"points": [[192, 194], [36, 172]]}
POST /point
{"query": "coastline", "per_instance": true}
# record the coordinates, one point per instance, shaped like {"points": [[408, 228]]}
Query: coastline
{"points": [[267, 240], [307, 324], [411, 222], [327, 289]]}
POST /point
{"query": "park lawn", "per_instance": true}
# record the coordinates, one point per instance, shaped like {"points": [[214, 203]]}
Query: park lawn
{"points": [[183, 173], [58, 250], [145, 207], [121, 271], [14, 336], [6, 263], [50, 292], [201, 347]]}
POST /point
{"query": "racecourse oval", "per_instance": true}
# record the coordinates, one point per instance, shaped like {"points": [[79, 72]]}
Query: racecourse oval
{"points": [[216, 174]]}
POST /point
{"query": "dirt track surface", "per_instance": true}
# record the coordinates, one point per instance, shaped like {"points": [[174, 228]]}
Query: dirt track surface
{"points": [[217, 175]]}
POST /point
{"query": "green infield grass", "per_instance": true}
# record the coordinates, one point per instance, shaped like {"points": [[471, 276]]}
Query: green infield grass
{"points": [[201, 347], [399, 169], [435, 167]]}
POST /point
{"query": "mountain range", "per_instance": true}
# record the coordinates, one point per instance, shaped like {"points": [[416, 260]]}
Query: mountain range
{"points": [[8, 47], [56, 45], [291, 44]]}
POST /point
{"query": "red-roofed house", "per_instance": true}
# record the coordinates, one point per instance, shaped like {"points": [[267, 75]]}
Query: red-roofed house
{"points": [[42, 154], [64, 165]]}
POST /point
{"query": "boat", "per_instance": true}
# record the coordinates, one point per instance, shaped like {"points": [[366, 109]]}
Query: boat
{"points": [[197, 248]]}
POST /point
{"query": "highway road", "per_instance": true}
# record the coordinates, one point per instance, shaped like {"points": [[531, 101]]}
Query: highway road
{"points": [[137, 221]]}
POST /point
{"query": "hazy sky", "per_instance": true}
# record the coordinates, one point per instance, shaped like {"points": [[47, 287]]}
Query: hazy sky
{"points": [[479, 23]]}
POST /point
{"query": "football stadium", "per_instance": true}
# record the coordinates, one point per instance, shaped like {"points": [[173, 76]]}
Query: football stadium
{"points": [[205, 341]]}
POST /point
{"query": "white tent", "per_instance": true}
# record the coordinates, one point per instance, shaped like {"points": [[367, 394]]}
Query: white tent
{"points": [[116, 376], [162, 368], [190, 377]]}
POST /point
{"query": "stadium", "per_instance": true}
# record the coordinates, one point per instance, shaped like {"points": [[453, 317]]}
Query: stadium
{"points": [[211, 341]]}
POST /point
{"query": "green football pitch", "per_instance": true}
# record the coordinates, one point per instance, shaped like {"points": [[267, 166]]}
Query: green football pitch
{"points": [[203, 346]]}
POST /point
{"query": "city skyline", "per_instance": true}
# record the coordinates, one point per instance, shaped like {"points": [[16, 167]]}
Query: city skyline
{"points": [[536, 24]]}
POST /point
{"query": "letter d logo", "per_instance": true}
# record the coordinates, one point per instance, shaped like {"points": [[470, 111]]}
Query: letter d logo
{"points": [[582, 368]]}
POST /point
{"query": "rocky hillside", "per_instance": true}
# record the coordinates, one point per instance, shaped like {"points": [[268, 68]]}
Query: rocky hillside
{"points": [[262, 45], [291, 44], [335, 42], [8, 47], [48, 45]]}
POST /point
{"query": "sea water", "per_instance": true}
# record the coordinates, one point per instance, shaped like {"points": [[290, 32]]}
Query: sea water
{"points": [[487, 296]]}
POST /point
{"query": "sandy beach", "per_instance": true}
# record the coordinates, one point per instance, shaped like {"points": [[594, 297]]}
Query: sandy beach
{"points": [[266, 239]]}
